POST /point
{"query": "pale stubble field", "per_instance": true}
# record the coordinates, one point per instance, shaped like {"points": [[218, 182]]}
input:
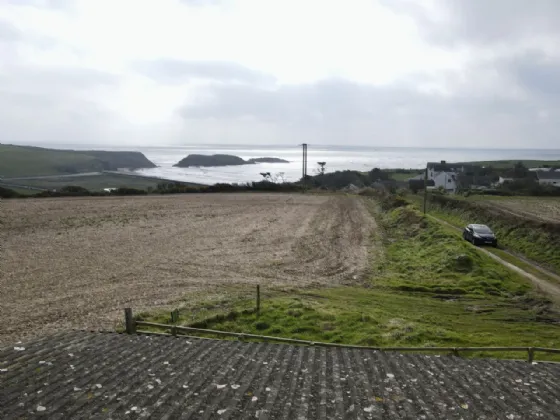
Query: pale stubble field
{"points": [[76, 262]]}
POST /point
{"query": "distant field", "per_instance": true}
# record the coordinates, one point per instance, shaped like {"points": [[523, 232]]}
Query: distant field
{"points": [[94, 182], [22, 191], [501, 164], [75, 263], [541, 208]]}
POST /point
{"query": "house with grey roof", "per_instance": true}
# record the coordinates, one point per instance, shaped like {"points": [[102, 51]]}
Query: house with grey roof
{"points": [[549, 177], [440, 175]]}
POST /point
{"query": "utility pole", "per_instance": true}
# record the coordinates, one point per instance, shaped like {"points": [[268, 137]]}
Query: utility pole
{"points": [[304, 166], [425, 188]]}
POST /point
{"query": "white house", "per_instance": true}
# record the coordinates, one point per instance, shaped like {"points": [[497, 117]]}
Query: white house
{"points": [[447, 180], [443, 175], [549, 178], [504, 179]]}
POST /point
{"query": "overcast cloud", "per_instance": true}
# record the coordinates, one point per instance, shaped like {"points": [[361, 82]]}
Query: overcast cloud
{"points": [[439, 73]]}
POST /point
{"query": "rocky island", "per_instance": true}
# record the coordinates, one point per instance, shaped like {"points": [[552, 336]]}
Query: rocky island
{"points": [[267, 160], [223, 160]]}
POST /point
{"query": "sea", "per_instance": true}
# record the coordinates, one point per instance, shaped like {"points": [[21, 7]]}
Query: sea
{"points": [[336, 157]]}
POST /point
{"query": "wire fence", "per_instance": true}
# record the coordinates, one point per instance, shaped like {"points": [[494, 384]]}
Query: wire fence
{"points": [[134, 326]]}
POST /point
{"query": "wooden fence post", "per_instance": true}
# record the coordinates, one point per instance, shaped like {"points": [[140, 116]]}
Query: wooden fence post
{"points": [[258, 300], [129, 321], [531, 352]]}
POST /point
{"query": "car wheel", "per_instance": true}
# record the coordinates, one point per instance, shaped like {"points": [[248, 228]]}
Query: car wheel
{"points": [[473, 241]]}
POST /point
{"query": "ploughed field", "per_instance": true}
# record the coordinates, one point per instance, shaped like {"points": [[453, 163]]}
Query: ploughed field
{"points": [[540, 208], [76, 262]]}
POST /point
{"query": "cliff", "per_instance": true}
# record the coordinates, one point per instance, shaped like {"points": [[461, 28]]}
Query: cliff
{"points": [[114, 160]]}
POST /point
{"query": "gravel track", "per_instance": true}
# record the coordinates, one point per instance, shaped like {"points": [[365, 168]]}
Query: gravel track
{"points": [[76, 262]]}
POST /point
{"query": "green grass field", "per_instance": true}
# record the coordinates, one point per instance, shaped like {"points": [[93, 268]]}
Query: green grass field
{"points": [[427, 288], [94, 182]]}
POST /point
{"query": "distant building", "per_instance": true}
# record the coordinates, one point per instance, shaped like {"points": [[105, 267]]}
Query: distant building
{"points": [[444, 175], [443, 166], [502, 180], [548, 177]]}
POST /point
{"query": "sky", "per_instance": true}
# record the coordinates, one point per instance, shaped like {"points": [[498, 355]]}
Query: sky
{"points": [[411, 73]]}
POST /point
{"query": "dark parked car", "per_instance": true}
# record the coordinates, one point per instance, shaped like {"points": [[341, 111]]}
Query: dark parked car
{"points": [[480, 235]]}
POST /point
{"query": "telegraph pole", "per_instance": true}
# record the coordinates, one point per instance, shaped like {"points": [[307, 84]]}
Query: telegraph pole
{"points": [[304, 166], [425, 188]]}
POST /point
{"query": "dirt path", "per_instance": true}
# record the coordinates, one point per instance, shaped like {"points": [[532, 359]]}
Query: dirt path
{"points": [[75, 263], [552, 290]]}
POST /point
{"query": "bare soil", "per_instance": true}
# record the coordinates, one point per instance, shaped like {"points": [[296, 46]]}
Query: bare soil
{"points": [[76, 262]]}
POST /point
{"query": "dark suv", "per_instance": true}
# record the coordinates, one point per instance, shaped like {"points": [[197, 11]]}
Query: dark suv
{"points": [[480, 235]]}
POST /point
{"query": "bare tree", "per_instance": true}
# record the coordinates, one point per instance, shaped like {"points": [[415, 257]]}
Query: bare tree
{"points": [[280, 178], [267, 176], [277, 178], [321, 167]]}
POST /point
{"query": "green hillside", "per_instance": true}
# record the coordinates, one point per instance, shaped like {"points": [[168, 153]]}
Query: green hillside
{"points": [[507, 164], [22, 161]]}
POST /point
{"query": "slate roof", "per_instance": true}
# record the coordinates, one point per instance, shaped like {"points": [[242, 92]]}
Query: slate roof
{"points": [[115, 376], [548, 175], [445, 167]]}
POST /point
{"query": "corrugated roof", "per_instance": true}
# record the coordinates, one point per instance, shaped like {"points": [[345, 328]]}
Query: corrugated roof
{"points": [[114, 376]]}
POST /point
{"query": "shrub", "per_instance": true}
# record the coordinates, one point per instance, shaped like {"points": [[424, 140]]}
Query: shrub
{"points": [[261, 325], [128, 191], [8, 193], [74, 190], [340, 179]]}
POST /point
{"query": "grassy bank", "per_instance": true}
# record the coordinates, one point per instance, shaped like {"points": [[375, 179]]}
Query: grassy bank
{"points": [[427, 288], [514, 259], [537, 240]]}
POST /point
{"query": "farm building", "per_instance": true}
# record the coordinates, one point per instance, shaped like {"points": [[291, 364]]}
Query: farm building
{"points": [[549, 177], [116, 376]]}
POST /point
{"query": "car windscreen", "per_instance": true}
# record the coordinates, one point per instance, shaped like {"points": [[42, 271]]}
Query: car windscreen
{"points": [[482, 229]]}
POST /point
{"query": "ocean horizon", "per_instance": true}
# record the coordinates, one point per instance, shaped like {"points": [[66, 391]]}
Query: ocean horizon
{"points": [[361, 158]]}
